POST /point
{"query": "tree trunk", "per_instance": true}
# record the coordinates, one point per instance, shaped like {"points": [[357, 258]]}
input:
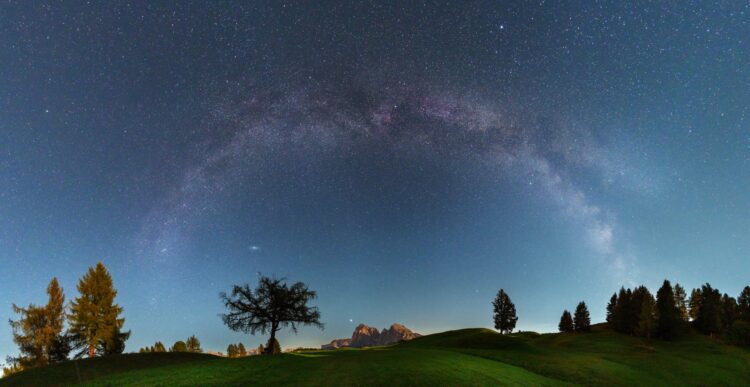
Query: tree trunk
{"points": [[269, 345], [92, 351]]}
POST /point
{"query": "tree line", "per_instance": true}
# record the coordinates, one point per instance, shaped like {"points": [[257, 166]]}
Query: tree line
{"points": [[667, 315], [94, 325], [637, 312], [192, 344], [505, 318]]}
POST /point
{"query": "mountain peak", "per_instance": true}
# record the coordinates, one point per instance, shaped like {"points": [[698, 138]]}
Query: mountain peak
{"points": [[367, 336]]}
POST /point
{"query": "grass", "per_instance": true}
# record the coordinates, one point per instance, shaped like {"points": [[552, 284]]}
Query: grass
{"points": [[462, 357]]}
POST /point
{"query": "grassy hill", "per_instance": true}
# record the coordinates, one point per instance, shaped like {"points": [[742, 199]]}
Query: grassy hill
{"points": [[462, 357]]}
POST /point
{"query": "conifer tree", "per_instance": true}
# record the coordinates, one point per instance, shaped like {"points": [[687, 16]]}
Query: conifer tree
{"points": [[729, 311], [504, 313], [241, 351], [708, 316], [667, 312], [566, 322], [193, 344], [273, 347], [622, 310], [95, 321], [179, 346], [581, 319], [636, 305], [159, 347], [695, 304], [680, 298], [612, 311], [261, 349], [646, 318], [743, 304], [39, 331]]}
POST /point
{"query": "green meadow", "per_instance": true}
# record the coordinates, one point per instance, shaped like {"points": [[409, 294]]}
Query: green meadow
{"points": [[462, 357]]}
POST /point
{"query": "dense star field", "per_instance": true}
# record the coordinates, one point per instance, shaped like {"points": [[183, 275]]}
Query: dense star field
{"points": [[404, 160]]}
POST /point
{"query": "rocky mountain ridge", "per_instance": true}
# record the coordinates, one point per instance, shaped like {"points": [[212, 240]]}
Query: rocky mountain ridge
{"points": [[367, 336]]}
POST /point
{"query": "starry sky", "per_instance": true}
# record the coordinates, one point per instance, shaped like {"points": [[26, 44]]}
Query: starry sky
{"points": [[405, 159]]}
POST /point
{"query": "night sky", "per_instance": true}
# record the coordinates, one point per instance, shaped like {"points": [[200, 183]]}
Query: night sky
{"points": [[406, 161]]}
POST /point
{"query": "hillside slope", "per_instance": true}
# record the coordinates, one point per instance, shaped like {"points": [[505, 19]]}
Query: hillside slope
{"points": [[462, 357]]}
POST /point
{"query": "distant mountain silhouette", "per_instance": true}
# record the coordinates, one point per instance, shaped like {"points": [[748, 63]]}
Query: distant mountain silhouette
{"points": [[366, 336]]}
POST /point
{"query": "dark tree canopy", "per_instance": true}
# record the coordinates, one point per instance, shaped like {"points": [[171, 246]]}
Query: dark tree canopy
{"points": [[566, 322], [504, 313], [668, 314], [729, 311], [646, 319], [743, 305], [272, 306], [708, 309], [582, 320], [680, 298], [710, 312], [612, 309]]}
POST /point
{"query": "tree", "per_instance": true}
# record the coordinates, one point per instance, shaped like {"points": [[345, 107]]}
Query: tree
{"points": [[504, 313], [116, 346], [636, 306], [241, 351], [646, 318], [12, 368], [680, 298], [612, 310], [743, 304], [95, 321], [179, 346], [273, 347], [159, 347], [729, 311], [582, 320], [271, 307], [193, 344], [566, 322], [622, 323], [667, 312], [231, 350], [261, 350], [708, 314], [39, 331], [695, 304]]}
